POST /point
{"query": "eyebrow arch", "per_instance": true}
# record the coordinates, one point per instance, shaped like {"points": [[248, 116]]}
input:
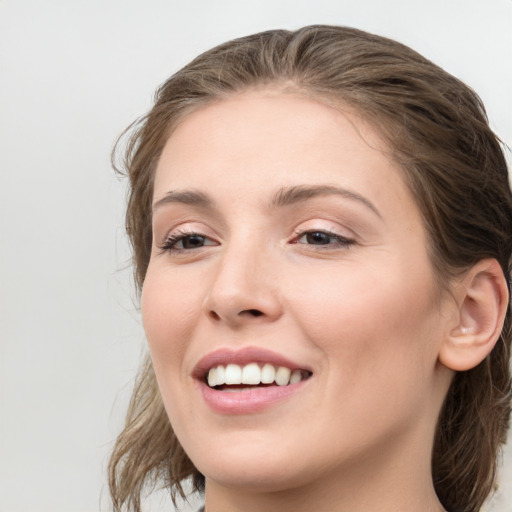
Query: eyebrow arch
{"points": [[291, 195], [191, 197]]}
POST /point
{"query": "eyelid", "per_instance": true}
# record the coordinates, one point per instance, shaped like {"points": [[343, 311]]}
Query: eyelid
{"points": [[339, 240], [181, 231], [183, 227], [327, 226], [172, 242], [338, 237]]}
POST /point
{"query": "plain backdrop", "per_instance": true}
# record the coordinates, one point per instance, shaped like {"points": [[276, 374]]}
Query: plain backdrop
{"points": [[73, 75]]}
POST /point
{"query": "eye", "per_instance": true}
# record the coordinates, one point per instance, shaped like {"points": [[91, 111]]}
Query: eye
{"points": [[322, 238], [182, 241]]}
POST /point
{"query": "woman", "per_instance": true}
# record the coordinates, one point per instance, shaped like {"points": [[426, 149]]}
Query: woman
{"points": [[322, 232]]}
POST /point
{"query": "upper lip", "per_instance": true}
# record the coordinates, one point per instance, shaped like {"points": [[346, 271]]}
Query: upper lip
{"points": [[242, 357]]}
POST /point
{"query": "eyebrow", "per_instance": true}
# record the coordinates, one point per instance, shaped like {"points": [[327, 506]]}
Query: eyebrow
{"points": [[291, 195], [191, 197], [285, 196]]}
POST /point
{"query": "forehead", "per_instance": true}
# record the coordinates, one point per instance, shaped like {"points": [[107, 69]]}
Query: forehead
{"points": [[262, 140]]}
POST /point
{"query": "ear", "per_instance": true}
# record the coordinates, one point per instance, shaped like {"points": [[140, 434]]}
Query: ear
{"points": [[482, 298]]}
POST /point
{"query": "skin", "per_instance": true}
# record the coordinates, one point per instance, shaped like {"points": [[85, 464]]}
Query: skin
{"points": [[364, 315]]}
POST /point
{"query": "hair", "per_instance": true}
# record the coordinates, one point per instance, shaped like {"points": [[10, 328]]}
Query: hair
{"points": [[437, 130]]}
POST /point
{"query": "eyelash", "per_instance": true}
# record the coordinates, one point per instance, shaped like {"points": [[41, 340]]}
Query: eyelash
{"points": [[339, 240], [174, 239], [170, 244]]}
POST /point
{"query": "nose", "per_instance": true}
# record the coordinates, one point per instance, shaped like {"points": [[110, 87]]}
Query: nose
{"points": [[244, 287]]}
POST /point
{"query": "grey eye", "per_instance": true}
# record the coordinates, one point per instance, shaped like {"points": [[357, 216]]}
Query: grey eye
{"points": [[193, 241], [323, 238], [317, 238]]}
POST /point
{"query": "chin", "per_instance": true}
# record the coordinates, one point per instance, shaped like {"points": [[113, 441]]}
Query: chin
{"points": [[254, 476], [252, 466]]}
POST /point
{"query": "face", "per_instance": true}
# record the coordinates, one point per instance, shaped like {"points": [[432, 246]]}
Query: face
{"points": [[287, 246]]}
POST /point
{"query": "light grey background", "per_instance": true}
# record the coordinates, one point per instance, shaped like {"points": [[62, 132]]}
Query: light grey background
{"points": [[73, 74]]}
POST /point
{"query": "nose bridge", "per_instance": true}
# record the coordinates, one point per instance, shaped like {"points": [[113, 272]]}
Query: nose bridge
{"points": [[244, 286]]}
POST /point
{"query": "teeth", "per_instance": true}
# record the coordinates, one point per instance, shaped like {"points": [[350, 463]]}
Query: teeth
{"points": [[212, 377], [295, 377], [283, 376], [252, 374], [268, 374], [233, 374], [221, 375]]}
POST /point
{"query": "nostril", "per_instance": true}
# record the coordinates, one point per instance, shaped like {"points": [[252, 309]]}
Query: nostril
{"points": [[214, 315], [253, 312], [249, 312]]}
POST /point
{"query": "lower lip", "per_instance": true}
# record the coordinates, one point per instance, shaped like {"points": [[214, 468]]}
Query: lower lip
{"points": [[248, 401]]}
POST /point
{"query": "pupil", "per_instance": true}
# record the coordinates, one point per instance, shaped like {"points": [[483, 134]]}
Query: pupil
{"points": [[193, 241], [318, 238]]}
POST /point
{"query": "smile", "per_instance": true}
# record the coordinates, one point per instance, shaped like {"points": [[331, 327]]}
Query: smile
{"points": [[248, 380], [223, 377]]}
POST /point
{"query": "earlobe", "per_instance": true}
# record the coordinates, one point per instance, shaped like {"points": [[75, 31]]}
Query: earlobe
{"points": [[482, 298]]}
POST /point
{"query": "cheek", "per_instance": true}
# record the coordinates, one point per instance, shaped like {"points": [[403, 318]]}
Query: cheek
{"points": [[376, 323], [377, 345], [169, 313]]}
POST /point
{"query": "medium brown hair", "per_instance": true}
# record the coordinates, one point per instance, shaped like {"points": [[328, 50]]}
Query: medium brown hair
{"points": [[437, 130]]}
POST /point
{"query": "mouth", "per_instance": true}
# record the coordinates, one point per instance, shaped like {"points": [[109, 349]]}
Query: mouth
{"points": [[235, 377], [248, 380]]}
